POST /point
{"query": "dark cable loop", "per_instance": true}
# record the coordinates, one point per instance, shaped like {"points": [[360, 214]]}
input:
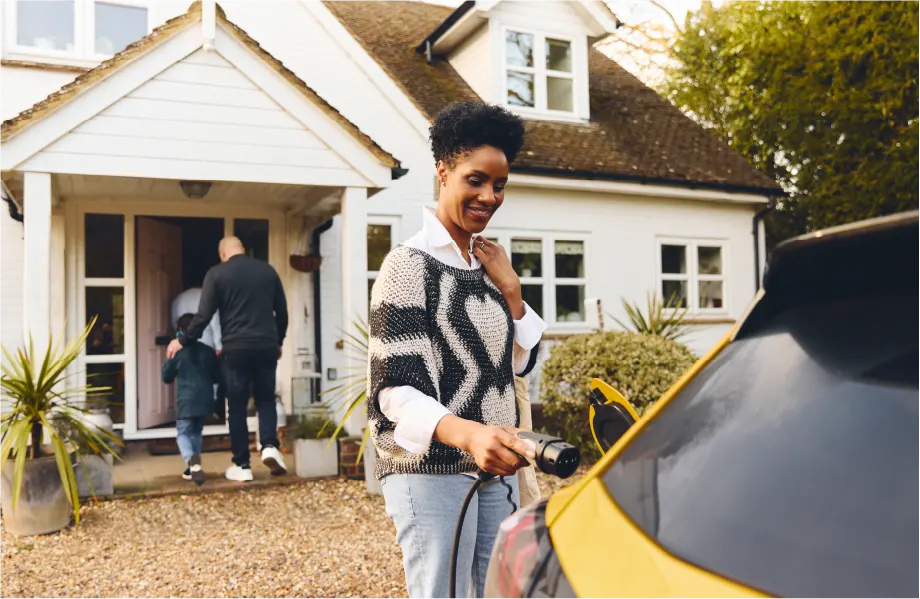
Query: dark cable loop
{"points": [[510, 494], [456, 546]]}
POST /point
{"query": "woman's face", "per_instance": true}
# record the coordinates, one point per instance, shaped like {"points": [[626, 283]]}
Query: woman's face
{"points": [[474, 189]]}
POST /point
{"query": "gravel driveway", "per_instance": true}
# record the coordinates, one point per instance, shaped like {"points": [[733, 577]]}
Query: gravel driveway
{"points": [[316, 539], [323, 538]]}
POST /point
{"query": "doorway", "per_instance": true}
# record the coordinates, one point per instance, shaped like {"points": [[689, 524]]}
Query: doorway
{"points": [[125, 264], [172, 254]]}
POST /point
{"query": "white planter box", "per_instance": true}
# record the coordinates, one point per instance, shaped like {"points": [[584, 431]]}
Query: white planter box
{"points": [[312, 459]]}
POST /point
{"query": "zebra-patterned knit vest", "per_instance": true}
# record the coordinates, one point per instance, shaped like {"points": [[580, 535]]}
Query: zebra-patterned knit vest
{"points": [[447, 332]]}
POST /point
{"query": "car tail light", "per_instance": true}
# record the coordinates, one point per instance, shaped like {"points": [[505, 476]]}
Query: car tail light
{"points": [[521, 546]]}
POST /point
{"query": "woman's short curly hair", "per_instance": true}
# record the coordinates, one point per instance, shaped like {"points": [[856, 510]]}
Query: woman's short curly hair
{"points": [[463, 127]]}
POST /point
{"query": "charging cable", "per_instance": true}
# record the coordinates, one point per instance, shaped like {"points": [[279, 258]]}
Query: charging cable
{"points": [[553, 456]]}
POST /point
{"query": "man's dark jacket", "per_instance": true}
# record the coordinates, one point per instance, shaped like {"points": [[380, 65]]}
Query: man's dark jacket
{"points": [[253, 310]]}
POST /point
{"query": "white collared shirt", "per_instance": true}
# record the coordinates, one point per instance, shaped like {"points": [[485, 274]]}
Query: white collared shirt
{"points": [[415, 414]]}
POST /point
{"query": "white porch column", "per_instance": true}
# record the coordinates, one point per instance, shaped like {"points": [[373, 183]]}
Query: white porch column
{"points": [[354, 279], [36, 287], [355, 302]]}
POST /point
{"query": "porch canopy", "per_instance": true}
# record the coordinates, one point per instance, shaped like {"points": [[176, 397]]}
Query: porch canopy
{"points": [[196, 100]]}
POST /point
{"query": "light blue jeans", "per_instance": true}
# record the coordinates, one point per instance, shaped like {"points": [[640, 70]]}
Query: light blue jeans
{"points": [[424, 508], [188, 436]]}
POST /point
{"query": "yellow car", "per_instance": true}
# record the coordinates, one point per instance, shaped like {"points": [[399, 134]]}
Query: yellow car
{"points": [[783, 463]]}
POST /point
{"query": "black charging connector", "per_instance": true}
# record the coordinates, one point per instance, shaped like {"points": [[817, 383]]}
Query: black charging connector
{"points": [[553, 456]]}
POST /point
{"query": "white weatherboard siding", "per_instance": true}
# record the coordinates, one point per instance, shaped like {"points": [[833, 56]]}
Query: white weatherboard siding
{"points": [[561, 16], [201, 114], [11, 276], [473, 61]]}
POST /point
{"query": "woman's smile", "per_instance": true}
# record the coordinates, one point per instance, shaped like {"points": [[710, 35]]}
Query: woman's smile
{"points": [[480, 213]]}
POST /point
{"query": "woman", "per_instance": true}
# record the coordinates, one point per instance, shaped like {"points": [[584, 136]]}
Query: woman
{"points": [[449, 331]]}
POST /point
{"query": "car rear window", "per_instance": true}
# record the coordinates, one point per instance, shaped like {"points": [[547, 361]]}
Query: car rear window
{"points": [[789, 463]]}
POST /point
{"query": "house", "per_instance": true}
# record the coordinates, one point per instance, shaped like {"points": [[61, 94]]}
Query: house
{"points": [[138, 133]]}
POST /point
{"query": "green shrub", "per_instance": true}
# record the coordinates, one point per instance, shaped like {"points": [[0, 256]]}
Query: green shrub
{"points": [[641, 367], [310, 428]]}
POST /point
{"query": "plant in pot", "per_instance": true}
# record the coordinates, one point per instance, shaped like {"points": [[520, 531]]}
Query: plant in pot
{"points": [[666, 318], [311, 460], [351, 395], [40, 488]]}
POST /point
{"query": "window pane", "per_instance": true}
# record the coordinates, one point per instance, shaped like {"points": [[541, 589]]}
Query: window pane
{"points": [[570, 259], [370, 286], [519, 49], [675, 289], [109, 375], [533, 296], [559, 94], [570, 303], [117, 26], [45, 24], [379, 242], [527, 257], [104, 241], [558, 55], [108, 335], [674, 259], [711, 294], [709, 260], [520, 89], [253, 232]]}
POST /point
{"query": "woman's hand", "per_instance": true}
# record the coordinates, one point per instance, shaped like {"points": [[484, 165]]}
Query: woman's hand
{"points": [[496, 449], [498, 267]]}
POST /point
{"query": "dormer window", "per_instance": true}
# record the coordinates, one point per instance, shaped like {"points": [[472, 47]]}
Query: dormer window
{"points": [[539, 72], [69, 31]]}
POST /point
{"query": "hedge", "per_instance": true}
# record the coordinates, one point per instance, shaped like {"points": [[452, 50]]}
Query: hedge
{"points": [[641, 367]]}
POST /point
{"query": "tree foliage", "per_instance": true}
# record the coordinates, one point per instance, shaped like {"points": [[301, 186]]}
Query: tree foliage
{"points": [[822, 96]]}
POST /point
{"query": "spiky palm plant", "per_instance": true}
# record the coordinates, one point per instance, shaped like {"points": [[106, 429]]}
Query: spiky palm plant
{"points": [[351, 393], [36, 398], [665, 318]]}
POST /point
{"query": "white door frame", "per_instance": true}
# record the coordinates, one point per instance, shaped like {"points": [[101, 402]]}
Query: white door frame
{"points": [[77, 208]]}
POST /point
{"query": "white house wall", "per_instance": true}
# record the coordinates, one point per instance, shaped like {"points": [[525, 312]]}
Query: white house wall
{"points": [[201, 114], [473, 61], [11, 280], [621, 237], [561, 16], [24, 87]]}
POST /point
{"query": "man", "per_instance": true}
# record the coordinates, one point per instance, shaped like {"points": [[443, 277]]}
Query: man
{"points": [[253, 319]]}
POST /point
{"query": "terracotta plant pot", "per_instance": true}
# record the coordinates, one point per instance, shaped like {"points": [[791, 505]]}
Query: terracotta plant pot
{"points": [[42, 506], [303, 263]]}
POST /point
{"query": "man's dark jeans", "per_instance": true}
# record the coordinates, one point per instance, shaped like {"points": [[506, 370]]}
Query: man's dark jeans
{"points": [[250, 372]]}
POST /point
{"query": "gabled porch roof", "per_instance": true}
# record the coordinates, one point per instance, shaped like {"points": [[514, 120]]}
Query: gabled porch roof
{"points": [[333, 151]]}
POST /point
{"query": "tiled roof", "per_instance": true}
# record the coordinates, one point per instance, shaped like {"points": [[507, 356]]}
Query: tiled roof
{"points": [[164, 32], [634, 134]]}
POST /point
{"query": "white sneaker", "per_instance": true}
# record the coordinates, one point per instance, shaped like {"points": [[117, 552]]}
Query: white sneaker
{"points": [[239, 474], [271, 457]]}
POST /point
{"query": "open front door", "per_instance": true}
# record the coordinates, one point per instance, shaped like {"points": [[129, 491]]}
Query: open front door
{"points": [[159, 280]]}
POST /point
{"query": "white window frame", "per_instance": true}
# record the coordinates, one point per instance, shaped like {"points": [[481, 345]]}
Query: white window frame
{"points": [[692, 276], [84, 41], [549, 280], [386, 221], [540, 74]]}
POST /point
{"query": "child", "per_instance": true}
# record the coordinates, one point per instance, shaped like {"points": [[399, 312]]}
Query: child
{"points": [[197, 368]]}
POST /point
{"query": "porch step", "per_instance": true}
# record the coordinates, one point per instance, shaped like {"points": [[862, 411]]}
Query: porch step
{"points": [[210, 443]]}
